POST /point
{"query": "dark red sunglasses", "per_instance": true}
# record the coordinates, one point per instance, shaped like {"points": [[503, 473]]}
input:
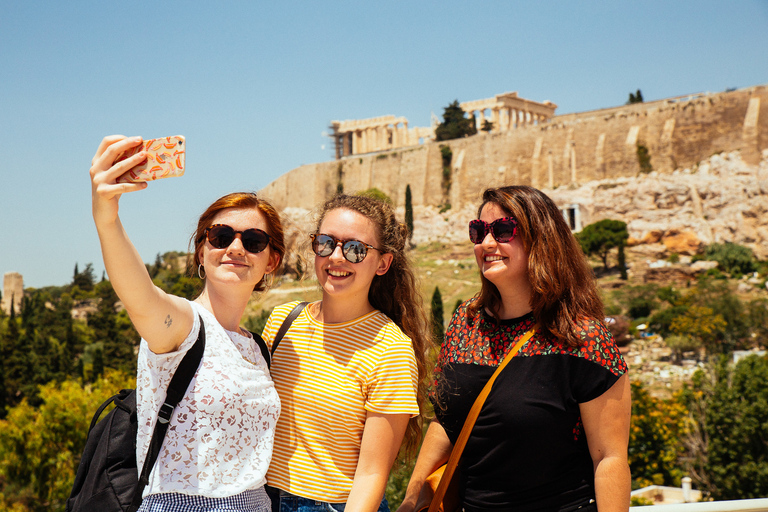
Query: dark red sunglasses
{"points": [[503, 230], [221, 236]]}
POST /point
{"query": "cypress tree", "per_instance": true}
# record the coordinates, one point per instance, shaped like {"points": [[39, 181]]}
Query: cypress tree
{"points": [[622, 262], [409, 212], [437, 316]]}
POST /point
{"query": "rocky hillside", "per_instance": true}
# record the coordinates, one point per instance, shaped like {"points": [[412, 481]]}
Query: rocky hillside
{"points": [[722, 199]]}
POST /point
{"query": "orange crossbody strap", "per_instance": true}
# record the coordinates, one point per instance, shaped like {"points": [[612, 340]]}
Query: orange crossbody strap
{"points": [[469, 423]]}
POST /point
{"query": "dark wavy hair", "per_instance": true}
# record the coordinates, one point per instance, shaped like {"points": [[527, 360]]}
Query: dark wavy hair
{"points": [[395, 293], [241, 201], [563, 289]]}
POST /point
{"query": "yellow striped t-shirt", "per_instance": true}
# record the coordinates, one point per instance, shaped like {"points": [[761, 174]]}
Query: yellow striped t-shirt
{"points": [[328, 377]]}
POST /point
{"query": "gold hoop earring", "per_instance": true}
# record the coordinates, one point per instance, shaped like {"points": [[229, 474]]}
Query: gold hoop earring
{"points": [[201, 272]]}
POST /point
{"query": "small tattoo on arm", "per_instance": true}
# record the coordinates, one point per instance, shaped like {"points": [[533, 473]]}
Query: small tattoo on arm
{"points": [[168, 321]]}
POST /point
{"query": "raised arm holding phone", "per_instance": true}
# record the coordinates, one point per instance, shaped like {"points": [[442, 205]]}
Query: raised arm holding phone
{"points": [[219, 444]]}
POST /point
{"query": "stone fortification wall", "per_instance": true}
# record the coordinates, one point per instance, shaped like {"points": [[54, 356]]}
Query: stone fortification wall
{"points": [[570, 149], [719, 199]]}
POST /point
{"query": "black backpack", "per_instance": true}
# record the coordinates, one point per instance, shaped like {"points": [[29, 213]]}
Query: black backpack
{"points": [[107, 478]]}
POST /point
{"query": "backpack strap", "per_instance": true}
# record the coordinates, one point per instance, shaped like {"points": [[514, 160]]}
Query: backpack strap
{"points": [[263, 347], [180, 381], [287, 324]]}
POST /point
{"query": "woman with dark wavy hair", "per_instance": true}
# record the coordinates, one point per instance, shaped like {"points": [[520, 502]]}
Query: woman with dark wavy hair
{"points": [[553, 433], [349, 369]]}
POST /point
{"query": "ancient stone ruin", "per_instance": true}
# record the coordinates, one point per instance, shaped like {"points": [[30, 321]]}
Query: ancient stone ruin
{"points": [[13, 292], [681, 172], [508, 111], [505, 112], [541, 151]]}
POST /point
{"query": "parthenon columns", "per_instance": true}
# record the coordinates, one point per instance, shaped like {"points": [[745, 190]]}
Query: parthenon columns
{"points": [[508, 111], [505, 112], [367, 135]]}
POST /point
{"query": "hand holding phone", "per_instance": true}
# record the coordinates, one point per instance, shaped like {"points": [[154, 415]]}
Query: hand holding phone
{"points": [[165, 159]]}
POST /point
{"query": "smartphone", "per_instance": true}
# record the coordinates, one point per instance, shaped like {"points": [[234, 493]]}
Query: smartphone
{"points": [[165, 159]]}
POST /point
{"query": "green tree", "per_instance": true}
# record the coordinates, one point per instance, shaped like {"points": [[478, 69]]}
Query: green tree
{"points": [[375, 193], [655, 439], [17, 363], [622, 262], [153, 269], [641, 300], [757, 313], [40, 447], [700, 324], [12, 372], [717, 295], [438, 329], [662, 320], [729, 408], [455, 124], [256, 323], [602, 236], [85, 279], [635, 98], [732, 258], [172, 278], [668, 294], [409, 212], [187, 287], [679, 344], [119, 340]]}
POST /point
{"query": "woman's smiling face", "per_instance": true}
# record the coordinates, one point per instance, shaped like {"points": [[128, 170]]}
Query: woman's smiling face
{"points": [[503, 264], [233, 264], [338, 277]]}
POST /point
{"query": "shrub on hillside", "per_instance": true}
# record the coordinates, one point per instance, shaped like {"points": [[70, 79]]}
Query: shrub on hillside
{"points": [[375, 194], [732, 258]]}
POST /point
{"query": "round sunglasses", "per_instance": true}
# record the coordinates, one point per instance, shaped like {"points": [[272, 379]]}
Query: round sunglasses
{"points": [[503, 230], [354, 251], [221, 236]]}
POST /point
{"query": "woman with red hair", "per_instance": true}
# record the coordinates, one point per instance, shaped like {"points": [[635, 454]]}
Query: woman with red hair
{"points": [[218, 446]]}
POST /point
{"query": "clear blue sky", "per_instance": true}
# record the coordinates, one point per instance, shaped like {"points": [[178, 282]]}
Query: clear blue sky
{"points": [[253, 86]]}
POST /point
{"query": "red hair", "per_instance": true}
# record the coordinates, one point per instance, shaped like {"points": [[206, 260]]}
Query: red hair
{"points": [[241, 201]]}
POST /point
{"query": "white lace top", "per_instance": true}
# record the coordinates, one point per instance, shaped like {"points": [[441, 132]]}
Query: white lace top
{"points": [[219, 441]]}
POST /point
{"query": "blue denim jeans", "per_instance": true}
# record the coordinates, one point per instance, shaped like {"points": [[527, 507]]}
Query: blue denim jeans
{"points": [[290, 503]]}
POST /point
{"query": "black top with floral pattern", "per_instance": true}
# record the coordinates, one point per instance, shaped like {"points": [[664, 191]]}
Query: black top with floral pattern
{"points": [[527, 450]]}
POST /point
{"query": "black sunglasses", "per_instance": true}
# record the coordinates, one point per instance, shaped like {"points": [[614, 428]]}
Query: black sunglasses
{"points": [[503, 230], [354, 251], [221, 236]]}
